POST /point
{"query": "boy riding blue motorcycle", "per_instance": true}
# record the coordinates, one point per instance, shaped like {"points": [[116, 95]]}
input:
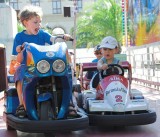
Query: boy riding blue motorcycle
{"points": [[43, 81]]}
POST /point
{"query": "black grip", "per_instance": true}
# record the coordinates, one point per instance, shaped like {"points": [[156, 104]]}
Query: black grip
{"points": [[71, 39], [62, 37]]}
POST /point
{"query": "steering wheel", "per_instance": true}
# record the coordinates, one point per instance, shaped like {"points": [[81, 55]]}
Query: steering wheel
{"points": [[113, 69]]}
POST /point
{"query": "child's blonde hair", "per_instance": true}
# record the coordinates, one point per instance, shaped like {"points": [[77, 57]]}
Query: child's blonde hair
{"points": [[30, 11]]}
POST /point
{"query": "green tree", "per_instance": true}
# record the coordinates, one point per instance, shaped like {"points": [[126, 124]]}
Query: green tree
{"points": [[97, 21], [20, 27]]}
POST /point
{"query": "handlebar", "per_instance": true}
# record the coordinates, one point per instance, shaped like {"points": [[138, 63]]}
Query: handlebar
{"points": [[23, 46], [62, 37]]}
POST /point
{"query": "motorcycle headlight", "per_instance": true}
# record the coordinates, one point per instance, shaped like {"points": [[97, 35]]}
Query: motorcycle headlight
{"points": [[58, 66], [43, 66]]}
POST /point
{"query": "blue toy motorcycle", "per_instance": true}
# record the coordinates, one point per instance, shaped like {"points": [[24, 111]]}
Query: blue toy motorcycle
{"points": [[47, 92]]}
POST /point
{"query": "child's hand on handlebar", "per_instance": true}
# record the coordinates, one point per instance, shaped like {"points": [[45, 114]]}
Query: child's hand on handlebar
{"points": [[20, 48], [67, 37], [104, 67]]}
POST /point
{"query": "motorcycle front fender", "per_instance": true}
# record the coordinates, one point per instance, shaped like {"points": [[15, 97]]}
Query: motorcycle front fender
{"points": [[44, 97]]}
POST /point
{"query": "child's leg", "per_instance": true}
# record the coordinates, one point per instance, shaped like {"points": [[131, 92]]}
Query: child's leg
{"points": [[18, 76], [19, 91], [20, 112]]}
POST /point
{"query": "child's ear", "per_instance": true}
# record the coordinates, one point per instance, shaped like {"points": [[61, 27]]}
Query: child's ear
{"points": [[116, 50], [24, 23]]}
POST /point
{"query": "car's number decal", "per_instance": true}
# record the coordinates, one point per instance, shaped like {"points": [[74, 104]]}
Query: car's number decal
{"points": [[118, 98]]}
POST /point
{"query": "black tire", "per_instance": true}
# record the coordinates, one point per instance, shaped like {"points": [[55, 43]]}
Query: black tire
{"points": [[143, 118], [46, 111], [49, 135], [49, 127], [79, 100], [9, 127], [87, 107]]}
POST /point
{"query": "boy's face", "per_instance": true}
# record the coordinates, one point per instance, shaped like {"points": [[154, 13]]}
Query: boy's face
{"points": [[33, 25], [108, 53]]}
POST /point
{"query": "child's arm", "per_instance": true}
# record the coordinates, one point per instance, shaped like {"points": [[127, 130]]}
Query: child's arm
{"points": [[19, 50], [20, 57]]}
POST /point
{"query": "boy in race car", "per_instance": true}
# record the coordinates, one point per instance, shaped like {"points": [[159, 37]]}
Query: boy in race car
{"points": [[108, 48]]}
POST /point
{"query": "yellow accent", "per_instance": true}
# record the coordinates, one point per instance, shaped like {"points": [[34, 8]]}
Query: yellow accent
{"points": [[30, 61]]}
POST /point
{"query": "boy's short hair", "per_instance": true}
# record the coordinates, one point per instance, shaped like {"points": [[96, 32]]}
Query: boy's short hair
{"points": [[96, 48], [30, 11], [109, 42]]}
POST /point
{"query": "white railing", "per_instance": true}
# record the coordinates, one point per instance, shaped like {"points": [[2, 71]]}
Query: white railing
{"points": [[145, 61]]}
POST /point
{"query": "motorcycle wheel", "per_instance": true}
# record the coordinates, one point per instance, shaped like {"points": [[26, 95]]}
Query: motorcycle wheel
{"points": [[46, 111]]}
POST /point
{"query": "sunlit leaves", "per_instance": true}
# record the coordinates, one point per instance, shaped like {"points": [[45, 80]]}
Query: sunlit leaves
{"points": [[98, 20]]}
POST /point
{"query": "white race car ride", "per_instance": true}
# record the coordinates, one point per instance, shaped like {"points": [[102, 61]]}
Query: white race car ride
{"points": [[110, 101]]}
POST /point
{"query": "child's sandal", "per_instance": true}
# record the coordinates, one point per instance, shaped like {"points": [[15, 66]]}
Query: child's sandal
{"points": [[72, 111], [21, 112]]}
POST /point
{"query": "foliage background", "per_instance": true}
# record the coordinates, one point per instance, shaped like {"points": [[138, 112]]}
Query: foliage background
{"points": [[102, 18]]}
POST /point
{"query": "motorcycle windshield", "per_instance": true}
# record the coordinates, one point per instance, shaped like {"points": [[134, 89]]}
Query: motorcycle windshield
{"points": [[38, 52]]}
